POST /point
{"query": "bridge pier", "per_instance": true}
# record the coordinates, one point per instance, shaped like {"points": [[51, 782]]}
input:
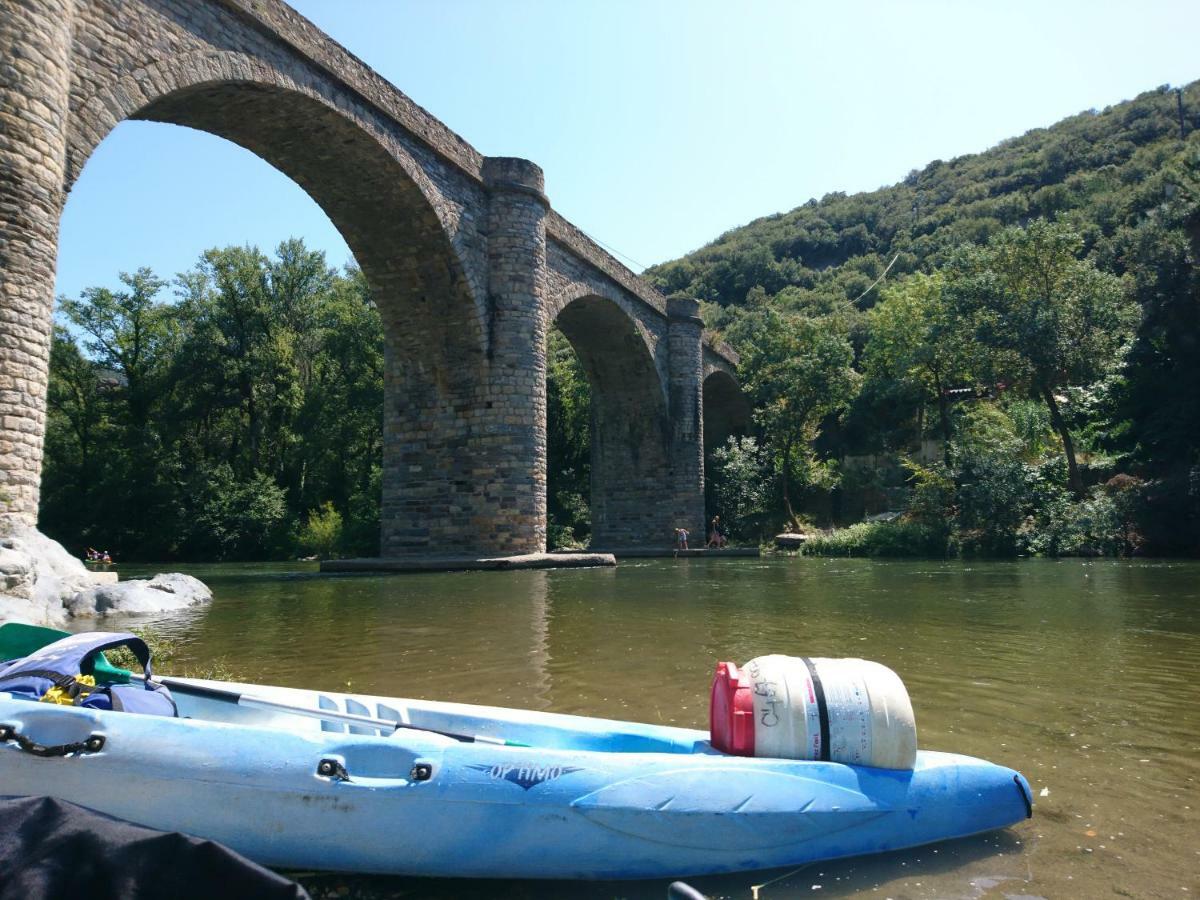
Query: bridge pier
{"points": [[515, 407], [465, 443], [35, 81], [685, 331]]}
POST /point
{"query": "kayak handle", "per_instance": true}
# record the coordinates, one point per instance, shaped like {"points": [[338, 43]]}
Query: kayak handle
{"points": [[8, 733]]}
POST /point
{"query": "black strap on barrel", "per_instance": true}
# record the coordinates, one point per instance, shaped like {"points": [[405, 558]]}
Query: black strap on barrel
{"points": [[9, 734], [822, 708]]}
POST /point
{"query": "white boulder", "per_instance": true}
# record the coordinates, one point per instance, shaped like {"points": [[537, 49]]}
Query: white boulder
{"points": [[42, 584], [162, 593]]}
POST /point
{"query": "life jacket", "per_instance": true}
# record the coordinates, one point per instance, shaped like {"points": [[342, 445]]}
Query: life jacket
{"points": [[60, 673]]}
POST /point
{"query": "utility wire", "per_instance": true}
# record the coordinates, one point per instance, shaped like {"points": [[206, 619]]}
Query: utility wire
{"points": [[611, 249], [869, 289]]}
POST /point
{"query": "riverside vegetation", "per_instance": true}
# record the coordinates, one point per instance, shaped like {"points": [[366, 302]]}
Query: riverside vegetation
{"points": [[1002, 348], [1037, 336]]}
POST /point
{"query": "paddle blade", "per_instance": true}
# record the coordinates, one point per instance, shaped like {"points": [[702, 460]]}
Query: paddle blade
{"points": [[18, 640]]}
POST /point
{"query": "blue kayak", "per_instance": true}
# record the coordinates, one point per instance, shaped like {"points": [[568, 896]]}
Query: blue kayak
{"points": [[517, 794]]}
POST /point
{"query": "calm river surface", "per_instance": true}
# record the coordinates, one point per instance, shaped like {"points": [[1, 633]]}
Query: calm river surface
{"points": [[1084, 675]]}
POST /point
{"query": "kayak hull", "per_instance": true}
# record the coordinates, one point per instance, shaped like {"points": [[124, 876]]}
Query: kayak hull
{"points": [[590, 798]]}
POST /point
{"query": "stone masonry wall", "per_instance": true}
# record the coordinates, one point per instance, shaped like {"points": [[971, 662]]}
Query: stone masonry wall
{"points": [[515, 404], [35, 46], [687, 415]]}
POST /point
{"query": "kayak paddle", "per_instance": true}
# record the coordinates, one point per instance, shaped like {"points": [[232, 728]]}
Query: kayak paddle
{"points": [[326, 715], [17, 640]]}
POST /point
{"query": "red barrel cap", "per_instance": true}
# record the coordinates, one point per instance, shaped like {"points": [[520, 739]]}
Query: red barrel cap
{"points": [[731, 714]]}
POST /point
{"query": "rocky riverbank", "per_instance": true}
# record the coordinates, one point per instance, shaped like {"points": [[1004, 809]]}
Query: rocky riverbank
{"points": [[42, 584]]}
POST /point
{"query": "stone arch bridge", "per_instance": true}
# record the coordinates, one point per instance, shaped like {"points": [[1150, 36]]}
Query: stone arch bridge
{"points": [[466, 259]]}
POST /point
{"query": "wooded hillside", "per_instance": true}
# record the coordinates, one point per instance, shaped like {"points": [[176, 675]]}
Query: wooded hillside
{"points": [[1112, 196]]}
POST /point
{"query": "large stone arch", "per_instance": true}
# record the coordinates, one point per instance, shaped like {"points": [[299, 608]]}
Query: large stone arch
{"points": [[630, 428], [388, 213], [401, 231]]}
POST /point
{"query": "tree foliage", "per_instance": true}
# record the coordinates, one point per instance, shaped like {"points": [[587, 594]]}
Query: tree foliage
{"points": [[1053, 278], [916, 339], [208, 427], [740, 476], [797, 371], [568, 444], [1045, 318]]}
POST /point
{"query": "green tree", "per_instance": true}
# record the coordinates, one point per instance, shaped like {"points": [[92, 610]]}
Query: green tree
{"points": [[797, 371], [236, 518], [240, 363], [129, 337], [1161, 252], [915, 337], [214, 424], [740, 477], [337, 451], [1048, 318], [78, 437], [127, 333], [568, 442]]}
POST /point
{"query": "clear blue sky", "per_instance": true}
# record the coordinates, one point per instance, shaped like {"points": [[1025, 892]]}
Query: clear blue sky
{"points": [[659, 123]]}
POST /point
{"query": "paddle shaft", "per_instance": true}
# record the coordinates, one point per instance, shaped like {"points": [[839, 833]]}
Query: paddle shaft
{"points": [[43, 636], [325, 715]]}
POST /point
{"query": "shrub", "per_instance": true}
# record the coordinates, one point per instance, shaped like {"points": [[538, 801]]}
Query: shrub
{"points": [[164, 653], [360, 531], [993, 495], [895, 538], [322, 533], [1104, 523], [568, 523]]}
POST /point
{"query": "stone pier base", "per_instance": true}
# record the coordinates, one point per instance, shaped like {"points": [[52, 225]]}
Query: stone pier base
{"points": [[464, 563], [694, 553]]}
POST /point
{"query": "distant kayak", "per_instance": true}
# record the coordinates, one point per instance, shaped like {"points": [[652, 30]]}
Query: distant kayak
{"points": [[319, 780]]}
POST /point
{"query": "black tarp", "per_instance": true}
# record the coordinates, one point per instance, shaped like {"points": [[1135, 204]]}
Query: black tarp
{"points": [[53, 850]]}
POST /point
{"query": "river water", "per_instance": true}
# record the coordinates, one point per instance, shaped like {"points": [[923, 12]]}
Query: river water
{"points": [[1084, 675]]}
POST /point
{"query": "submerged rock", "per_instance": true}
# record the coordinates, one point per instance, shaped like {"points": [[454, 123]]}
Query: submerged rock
{"points": [[42, 584]]}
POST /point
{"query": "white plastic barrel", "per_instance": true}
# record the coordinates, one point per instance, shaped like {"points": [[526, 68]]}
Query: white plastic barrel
{"points": [[850, 711]]}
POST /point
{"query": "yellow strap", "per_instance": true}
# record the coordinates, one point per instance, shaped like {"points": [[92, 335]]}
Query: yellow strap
{"points": [[64, 698]]}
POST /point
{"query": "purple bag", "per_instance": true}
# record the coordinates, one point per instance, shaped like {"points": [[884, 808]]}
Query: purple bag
{"points": [[57, 664]]}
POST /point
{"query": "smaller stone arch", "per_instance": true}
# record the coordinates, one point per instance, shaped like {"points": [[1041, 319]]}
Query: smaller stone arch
{"points": [[727, 412], [630, 428]]}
